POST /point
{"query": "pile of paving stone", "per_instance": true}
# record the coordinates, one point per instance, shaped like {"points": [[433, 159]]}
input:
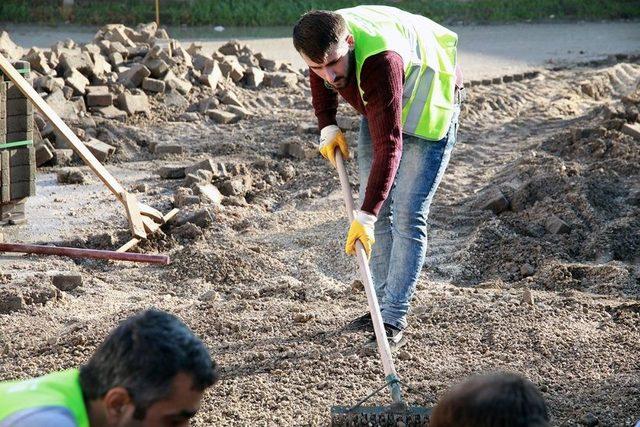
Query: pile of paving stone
{"points": [[125, 71]]}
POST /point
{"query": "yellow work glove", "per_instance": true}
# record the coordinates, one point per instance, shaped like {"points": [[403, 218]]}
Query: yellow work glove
{"points": [[331, 137], [361, 229]]}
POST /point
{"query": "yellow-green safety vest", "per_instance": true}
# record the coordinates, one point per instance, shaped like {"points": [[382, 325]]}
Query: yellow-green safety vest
{"points": [[428, 52], [59, 389]]}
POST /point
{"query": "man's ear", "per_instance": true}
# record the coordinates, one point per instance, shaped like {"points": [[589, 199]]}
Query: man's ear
{"points": [[350, 40], [118, 405]]}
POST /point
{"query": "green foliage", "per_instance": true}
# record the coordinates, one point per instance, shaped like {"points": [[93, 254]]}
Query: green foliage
{"points": [[282, 12]]}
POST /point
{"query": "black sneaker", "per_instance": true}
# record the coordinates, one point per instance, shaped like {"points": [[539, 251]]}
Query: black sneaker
{"points": [[395, 337], [362, 323]]}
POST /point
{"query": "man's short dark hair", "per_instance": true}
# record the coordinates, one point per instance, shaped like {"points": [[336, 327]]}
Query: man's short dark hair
{"points": [[143, 355], [496, 400], [317, 31]]}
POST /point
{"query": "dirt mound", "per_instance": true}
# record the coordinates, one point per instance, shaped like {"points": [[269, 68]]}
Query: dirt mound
{"points": [[572, 202]]}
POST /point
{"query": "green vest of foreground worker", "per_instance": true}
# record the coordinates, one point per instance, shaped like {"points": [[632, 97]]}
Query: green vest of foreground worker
{"points": [[60, 389], [428, 51]]}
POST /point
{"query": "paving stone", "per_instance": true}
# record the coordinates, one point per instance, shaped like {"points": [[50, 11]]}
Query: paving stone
{"points": [[60, 105], [162, 149], [153, 85], [19, 106], [48, 83], [254, 77], [280, 79], [230, 98], [184, 196], [222, 117], [38, 61], [66, 281], [231, 67], [77, 81], [631, 129], [71, 176], [134, 103], [101, 150], [110, 112], [492, 199], [133, 77], [176, 83], [218, 169], [172, 172], [62, 156], [78, 61], [99, 99], [157, 67], [20, 190], [44, 153], [211, 75], [22, 123], [173, 99]]}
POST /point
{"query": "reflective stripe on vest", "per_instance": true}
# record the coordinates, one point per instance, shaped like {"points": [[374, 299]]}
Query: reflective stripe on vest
{"points": [[58, 389], [428, 52]]}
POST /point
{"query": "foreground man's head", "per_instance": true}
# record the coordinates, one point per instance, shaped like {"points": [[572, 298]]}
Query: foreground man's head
{"points": [[150, 371]]}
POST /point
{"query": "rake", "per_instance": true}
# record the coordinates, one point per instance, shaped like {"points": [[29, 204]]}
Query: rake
{"points": [[360, 414]]}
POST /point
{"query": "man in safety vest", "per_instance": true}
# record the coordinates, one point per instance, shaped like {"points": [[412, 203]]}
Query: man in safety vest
{"points": [[150, 371], [399, 71]]}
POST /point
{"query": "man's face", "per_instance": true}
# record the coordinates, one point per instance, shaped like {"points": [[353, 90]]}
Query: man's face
{"points": [[335, 67], [175, 410]]}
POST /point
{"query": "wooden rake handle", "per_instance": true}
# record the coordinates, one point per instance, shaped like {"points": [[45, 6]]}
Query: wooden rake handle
{"points": [[365, 275]]}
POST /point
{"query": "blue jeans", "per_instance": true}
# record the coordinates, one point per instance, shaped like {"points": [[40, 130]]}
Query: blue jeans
{"points": [[401, 228]]}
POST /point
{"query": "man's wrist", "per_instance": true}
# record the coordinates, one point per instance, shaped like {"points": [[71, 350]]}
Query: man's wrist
{"points": [[365, 218]]}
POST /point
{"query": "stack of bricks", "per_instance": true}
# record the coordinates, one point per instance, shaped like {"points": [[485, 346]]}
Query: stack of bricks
{"points": [[17, 155]]}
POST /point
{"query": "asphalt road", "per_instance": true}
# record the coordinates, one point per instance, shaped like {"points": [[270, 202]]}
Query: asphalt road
{"points": [[485, 50]]}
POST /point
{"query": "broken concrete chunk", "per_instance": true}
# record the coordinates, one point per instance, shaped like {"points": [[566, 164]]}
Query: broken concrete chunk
{"points": [[38, 61]]}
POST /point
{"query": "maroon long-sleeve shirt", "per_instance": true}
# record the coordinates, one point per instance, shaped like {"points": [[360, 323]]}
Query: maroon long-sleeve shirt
{"points": [[382, 79]]}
